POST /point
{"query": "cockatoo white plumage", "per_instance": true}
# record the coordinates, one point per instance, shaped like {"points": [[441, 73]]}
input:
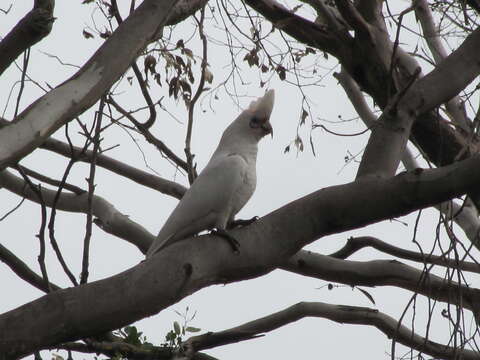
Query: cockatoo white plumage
{"points": [[226, 183]]}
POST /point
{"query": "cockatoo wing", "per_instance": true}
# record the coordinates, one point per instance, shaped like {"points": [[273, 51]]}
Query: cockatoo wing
{"points": [[210, 201]]}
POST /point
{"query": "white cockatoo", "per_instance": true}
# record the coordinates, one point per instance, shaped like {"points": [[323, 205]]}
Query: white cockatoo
{"points": [[225, 184]]}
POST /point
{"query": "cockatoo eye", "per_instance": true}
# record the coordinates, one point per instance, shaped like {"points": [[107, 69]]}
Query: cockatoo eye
{"points": [[255, 123]]}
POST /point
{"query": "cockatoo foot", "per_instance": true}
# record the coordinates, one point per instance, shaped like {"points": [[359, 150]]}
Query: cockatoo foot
{"points": [[235, 245], [241, 222]]}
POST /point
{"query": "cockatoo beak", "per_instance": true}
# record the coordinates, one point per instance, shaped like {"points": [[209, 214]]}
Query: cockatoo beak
{"points": [[267, 127]]}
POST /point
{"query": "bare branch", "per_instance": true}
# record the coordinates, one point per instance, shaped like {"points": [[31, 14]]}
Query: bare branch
{"points": [[125, 349], [108, 219], [160, 145], [339, 313], [91, 190], [23, 271], [455, 107], [77, 94], [383, 273], [141, 177], [31, 29], [388, 140], [191, 106], [299, 28], [465, 216], [187, 266], [355, 244], [37, 190]]}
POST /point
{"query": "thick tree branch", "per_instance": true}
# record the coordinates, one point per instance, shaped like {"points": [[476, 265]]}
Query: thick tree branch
{"points": [[23, 271], [436, 137], [77, 94], [126, 350], [108, 219], [31, 29], [389, 138], [188, 266], [383, 273], [454, 107], [303, 30], [466, 215], [339, 313]]}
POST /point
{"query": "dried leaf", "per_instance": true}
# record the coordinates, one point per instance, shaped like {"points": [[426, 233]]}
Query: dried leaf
{"points": [[367, 294], [149, 63], [303, 117], [281, 71], [185, 86], [188, 52], [298, 143], [87, 35], [105, 34], [208, 75]]}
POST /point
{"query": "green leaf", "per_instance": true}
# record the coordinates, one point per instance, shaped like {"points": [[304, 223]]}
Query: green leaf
{"points": [[176, 327], [192, 329]]}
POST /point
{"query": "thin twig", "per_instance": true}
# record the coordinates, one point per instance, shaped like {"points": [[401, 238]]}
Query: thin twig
{"points": [[91, 189], [12, 210], [26, 58], [355, 244], [41, 234], [160, 145], [191, 105], [23, 271]]}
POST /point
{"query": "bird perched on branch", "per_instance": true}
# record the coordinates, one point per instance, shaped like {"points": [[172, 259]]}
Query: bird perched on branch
{"points": [[225, 184]]}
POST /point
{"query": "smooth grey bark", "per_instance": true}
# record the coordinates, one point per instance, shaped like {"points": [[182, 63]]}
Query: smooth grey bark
{"points": [[108, 218], [454, 106], [139, 176], [389, 137], [188, 266], [465, 215], [82, 90], [383, 273], [366, 64], [339, 313]]}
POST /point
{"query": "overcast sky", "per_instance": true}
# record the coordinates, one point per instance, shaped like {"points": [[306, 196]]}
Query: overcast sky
{"points": [[281, 179]]}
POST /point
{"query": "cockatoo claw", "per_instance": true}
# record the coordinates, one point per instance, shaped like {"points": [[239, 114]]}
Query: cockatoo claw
{"points": [[235, 245]]}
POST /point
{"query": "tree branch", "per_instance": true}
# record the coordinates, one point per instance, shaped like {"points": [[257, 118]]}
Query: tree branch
{"points": [[77, 94], [388, 139], [339, 313], [23, 271], [32, 28], [127, 350], [160, 145], [188, 266], [355, 244], [466, 215], [108, 219], [454, 106], [140, 177], [301, 29], [383, 273]]}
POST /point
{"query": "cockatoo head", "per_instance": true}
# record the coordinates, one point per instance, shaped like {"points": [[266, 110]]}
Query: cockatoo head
{"points": [[260, 111], [254, 122]]}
